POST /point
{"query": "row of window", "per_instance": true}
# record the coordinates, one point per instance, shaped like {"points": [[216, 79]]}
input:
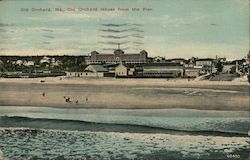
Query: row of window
{"points": [[119, 73], [78, 74], [132, 61], [172, 73]]}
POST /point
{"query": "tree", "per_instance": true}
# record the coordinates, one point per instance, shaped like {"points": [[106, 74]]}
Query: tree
{"points": [[219, 66]]}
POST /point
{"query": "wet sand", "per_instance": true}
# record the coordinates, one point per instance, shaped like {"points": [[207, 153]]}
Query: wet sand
{"points": [[125, 93]]}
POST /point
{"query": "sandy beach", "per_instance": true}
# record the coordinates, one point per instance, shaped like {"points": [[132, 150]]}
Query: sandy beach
{"points": [[125, 93]]}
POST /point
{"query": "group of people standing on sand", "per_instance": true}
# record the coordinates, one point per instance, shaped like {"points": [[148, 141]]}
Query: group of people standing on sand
{"points": [[68, 100]]}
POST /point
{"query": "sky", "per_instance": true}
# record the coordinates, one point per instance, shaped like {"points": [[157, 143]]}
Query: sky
{"points": [[172, 29]]}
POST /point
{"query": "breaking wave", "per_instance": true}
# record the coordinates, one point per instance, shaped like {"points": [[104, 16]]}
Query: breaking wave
{"points": [[79, 125]]}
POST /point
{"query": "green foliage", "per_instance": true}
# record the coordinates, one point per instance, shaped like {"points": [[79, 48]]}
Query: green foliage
{"points": [[233, 70], [219, 66], [71, 63]]}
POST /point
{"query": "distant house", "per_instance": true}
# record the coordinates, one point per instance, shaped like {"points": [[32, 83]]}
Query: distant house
{"points": [[204, 62], [191, 72], [95, 71], [1, 62], [121, 70], [29, 63], [248, 57], [159, 59], [56, 63], [228, 66], [90, 71], [242, 66], [190, 63], [95, 68], [45, 60], [19, 62], [53, 60], [178, 60]]}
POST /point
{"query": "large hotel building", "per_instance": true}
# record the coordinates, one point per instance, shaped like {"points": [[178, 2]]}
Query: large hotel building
{"points": [[117, 57]]}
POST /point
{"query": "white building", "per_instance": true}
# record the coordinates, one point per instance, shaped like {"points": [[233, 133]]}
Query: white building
{"points": [[192, 72], [159, 59], [29, 63], [89, 71], [95, 68], [56, 63], [204, 62], [227, 66], [45, 60], [121, 70], [19, 62]]}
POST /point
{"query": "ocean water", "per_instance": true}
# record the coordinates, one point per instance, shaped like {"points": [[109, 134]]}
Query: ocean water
{"points": [[76, 133]]}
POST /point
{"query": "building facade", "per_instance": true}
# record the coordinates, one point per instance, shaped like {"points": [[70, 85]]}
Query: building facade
{"points": [[121, 70], [117, 57], [204, 62], [191, 72]]}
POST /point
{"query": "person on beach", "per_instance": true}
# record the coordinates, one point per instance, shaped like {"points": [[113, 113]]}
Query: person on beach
{"points": [[76, 101], [86, 99], [43, 94], [68, 100]]}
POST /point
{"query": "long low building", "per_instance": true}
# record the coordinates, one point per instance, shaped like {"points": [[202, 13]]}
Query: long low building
{"points": [[89, 71], [170, 70]]}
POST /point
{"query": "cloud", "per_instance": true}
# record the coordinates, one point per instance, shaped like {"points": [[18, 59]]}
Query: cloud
{"points": [[119, 31], [121, 37], [48, 36], [47, 30], [114, 43], [115, 25], [202, 50], [112, 49], [47, 51], [30, 30], [114, 37], [7, 24]]}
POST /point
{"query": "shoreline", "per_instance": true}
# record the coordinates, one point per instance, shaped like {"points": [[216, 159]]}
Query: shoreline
{"points": [[122, 81], [74, 106]]}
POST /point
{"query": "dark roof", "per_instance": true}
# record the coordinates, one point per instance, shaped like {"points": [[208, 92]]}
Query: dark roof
{"points": [[110, 65], [98, 68], [122, 64], [162, 64], [241, 61], [229, 63], [205, 59], [177, 59]]}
